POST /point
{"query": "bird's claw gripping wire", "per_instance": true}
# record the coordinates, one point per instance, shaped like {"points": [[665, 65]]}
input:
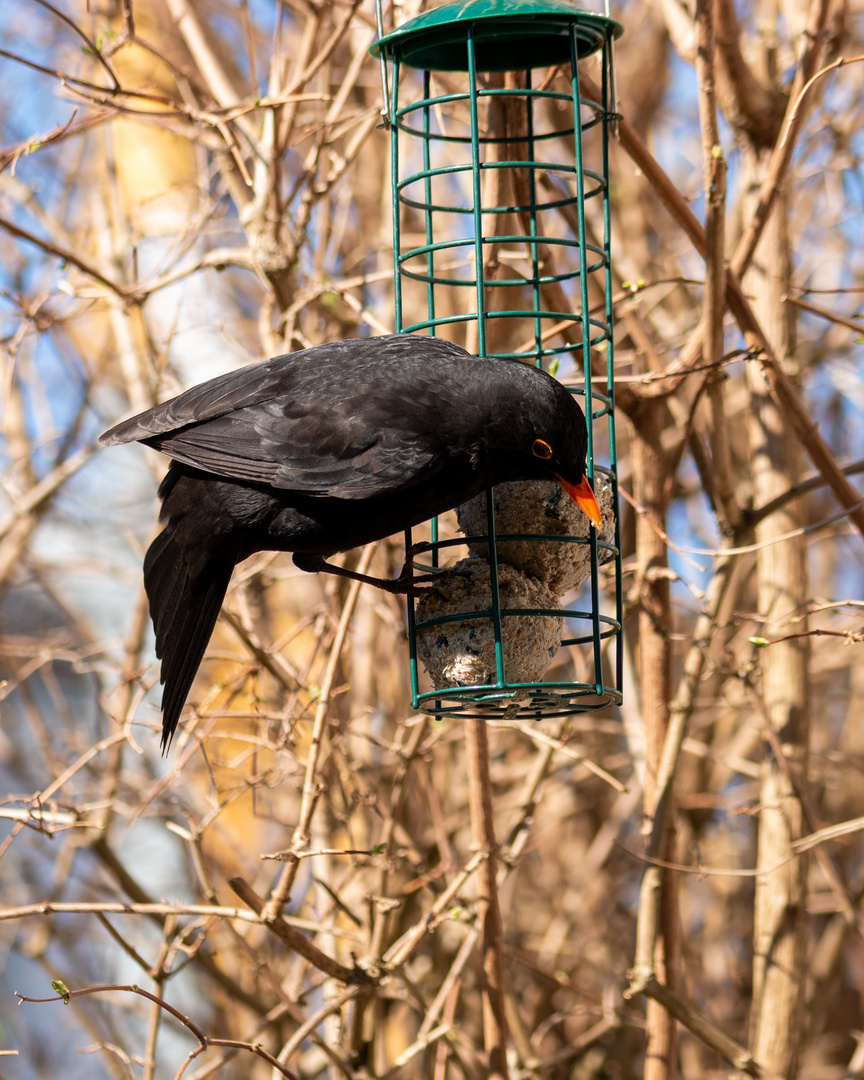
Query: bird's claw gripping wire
{"points": [[404, 584]]}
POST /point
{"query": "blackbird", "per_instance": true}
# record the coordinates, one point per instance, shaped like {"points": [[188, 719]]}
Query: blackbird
{"points": [[326, 449]]}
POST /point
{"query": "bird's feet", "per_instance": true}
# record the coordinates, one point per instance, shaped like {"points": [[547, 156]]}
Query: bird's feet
{"points": [[404, 584]]}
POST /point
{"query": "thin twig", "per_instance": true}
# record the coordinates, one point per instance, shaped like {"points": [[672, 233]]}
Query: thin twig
{"points": [[204, 1041], [300, 839]]}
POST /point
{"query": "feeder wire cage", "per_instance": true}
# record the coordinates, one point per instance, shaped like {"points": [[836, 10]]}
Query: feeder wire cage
{"points": [[501, 243]]}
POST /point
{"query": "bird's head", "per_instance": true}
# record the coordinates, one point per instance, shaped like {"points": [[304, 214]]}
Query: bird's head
{"points": [[558, 440], [572, 479]]}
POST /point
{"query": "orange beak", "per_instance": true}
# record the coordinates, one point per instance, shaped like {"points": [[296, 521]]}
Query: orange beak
{"points": [[583, 496]]}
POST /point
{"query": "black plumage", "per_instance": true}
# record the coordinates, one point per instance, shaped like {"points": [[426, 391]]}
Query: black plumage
{"points": [[326, 449]]}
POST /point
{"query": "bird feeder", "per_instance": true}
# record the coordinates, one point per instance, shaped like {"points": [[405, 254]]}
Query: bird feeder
{"points": [[500, 194]]}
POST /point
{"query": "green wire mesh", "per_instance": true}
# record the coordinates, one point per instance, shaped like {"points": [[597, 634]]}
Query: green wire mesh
{"points": [[501, 243]]}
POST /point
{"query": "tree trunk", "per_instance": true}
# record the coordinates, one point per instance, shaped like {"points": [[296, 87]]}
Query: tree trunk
{"points": [[779, 917], [649, 478]]}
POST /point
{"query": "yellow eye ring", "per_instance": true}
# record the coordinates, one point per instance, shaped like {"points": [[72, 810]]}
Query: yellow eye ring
{"points": [[541, 449]]}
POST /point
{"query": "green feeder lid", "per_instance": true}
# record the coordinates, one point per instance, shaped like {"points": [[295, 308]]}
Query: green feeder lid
{"points": [[509, 35]]}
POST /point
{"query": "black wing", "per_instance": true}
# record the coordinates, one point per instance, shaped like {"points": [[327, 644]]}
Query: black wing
{"points": [[352, 419]]}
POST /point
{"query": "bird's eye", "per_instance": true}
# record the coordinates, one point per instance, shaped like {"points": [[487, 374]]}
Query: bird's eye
{"points": [[541, 449]]}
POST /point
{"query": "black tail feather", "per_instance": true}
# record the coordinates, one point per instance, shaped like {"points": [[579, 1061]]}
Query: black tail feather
{"points": [[184, 611]]}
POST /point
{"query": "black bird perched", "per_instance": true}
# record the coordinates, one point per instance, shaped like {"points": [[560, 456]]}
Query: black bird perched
{"points": [[324, 450]]}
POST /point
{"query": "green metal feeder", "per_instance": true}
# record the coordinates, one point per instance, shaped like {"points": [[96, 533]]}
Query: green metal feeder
{"points": [[501, 243]]}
